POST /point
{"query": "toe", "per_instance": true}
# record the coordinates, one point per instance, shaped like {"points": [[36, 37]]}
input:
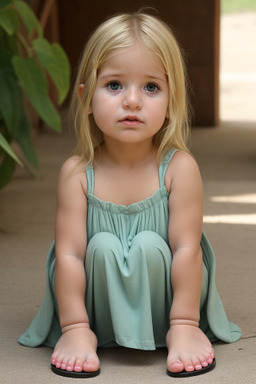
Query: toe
{"points": [[210, 358], [63, 366], [58, 363], [189, 366], [175, 365], [204, 363], [70, 365], [205, 360], [78, 366], [197, 364], [91, 365], [57, 360], [53, 358], [210, 353]]}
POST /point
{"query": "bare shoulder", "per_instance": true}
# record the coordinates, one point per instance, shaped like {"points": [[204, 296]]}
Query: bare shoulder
{"points": [[72, 175], [71, 167], [182, 169]]}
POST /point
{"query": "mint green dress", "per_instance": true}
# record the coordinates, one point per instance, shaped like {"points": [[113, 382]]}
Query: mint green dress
{"points": [[128, 262]]}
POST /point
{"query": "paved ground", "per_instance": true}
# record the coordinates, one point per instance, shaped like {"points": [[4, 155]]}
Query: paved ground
{"points": [[227, 159]]}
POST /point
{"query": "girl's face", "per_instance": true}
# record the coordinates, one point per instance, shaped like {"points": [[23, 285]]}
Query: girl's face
{"points": [[130, 101]]}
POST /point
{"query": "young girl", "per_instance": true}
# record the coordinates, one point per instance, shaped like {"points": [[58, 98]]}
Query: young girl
{"points": [[130, 265]]}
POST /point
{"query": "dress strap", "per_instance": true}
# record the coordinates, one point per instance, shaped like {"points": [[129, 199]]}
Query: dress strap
{"points": [[90, 179], [162, 170], [164, 165]]}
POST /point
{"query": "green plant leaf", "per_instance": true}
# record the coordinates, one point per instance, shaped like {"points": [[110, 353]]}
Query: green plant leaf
{"points": [[7, 168], [29, 152], [10, 94], [55, 61], [34, 83], [9, 20], [24, 140], [8, 42], [8, 149], [28, 17], [4, 3]]}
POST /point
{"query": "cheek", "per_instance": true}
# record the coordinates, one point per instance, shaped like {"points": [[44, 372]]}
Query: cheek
{"points": [[161, 110], [101, 111], [98, 100], [102, 105], [166, 110]]}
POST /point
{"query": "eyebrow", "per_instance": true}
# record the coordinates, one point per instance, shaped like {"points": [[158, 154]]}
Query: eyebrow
{"points": [[109, 75], [120, 74]]}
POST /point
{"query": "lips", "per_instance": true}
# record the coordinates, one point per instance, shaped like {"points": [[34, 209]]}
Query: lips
{"points": [[131, 120]]}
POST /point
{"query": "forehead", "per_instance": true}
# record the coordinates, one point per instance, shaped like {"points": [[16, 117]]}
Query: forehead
{"points": [[134, 58]]}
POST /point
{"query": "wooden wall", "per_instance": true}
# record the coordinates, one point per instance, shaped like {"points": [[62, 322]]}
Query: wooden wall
{"points": [[194, 22]]}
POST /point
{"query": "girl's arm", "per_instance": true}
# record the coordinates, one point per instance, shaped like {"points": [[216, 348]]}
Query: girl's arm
{"points": [[71, 243], [185, 231]]}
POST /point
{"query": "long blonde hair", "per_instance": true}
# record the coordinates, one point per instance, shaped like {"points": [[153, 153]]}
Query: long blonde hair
{"points": [[119, 32]]}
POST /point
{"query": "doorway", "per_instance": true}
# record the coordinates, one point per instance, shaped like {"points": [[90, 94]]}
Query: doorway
{"points": [[238, 61]]}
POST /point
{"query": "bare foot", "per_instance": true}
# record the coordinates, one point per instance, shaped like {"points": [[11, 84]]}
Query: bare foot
{"points": [[76, 351], [188, 349]]}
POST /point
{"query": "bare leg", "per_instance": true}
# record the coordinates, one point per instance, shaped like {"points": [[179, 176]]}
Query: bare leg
{"points": [[188, 348], [76, 350]]}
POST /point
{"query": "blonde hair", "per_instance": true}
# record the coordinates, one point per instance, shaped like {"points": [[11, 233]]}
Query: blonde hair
{"points": [[119, 32]]}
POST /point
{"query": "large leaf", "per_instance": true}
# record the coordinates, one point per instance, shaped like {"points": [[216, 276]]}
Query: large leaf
{"points": [[9, 20], [7, 168], [8, 42], [55, 61], [28, 17], [10, 94], [8, 149], [34, 83], [4, 3], [24, 140]]}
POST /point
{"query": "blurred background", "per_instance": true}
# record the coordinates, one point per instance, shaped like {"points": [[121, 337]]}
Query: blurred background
{"points": [[238, 61]]}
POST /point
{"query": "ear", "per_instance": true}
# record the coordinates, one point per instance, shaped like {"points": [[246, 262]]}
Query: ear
{"points": [[80, 91]]}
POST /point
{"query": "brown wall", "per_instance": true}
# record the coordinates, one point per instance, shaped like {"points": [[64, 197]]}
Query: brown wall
{"points": [[196, 26]]}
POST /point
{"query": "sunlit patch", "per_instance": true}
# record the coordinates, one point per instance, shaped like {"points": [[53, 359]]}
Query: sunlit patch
{"points": [[245, 198], [248, 219], [238, 77]]}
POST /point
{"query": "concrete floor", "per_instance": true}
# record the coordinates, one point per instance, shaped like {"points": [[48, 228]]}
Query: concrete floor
{"points": [[227, 159]]}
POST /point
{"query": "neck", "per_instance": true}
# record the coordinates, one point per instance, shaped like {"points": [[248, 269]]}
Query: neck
{"points": [[127, 154]]}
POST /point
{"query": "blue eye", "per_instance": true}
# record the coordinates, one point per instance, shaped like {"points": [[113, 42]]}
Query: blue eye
{"points": [[114, 86], [151, 88]]}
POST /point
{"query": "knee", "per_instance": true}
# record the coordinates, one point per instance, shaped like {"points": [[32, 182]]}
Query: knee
{"points": [[101, 246], [150, 241], [150, 245]]}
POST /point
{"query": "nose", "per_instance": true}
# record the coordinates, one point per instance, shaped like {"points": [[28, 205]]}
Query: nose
{"points": [[132, 99]]}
